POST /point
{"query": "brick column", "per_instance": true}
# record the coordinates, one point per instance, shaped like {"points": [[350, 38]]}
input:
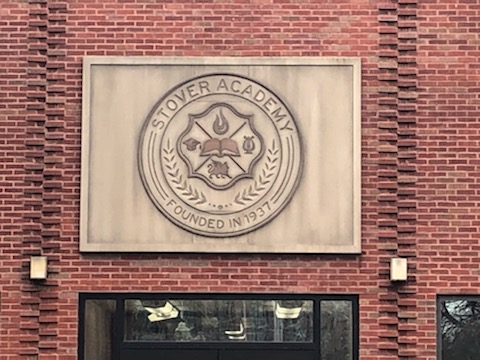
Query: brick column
{"points": [[397, 169], [44, 164]]}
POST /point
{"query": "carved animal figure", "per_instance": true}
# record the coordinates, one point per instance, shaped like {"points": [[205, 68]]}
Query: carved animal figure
{"points": [[218, 169]]}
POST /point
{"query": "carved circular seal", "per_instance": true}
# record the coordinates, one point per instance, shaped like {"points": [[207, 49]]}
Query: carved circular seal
{"points": [[220, 155]]}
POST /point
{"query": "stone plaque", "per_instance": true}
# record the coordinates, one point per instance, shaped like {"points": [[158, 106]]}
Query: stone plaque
{"points": [[221, 155], [217, 148]]}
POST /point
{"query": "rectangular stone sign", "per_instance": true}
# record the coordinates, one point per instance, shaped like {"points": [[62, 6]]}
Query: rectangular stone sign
{"points": [[221, 155]]}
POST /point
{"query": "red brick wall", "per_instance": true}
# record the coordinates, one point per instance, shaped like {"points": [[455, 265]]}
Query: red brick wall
{"points": [[420, 138], [448, 187]]}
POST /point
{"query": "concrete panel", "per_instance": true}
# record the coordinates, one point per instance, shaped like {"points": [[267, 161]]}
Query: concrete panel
{"points": [[221, 155]]}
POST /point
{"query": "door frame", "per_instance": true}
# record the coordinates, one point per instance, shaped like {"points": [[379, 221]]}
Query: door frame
{"points": [[120, 344]]}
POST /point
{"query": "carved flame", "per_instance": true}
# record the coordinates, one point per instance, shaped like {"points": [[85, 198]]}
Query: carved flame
{"points": [[220, 125]]}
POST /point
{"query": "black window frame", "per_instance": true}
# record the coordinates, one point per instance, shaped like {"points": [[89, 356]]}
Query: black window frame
{"points": [[119, 322], [440, 299]]}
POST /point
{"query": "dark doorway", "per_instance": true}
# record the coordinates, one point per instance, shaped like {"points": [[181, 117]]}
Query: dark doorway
{"points": [[218, 327], [168, 354], [238, 354]]}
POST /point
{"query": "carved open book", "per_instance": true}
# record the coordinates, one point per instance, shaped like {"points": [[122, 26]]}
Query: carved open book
{"points": [[220, 147]]}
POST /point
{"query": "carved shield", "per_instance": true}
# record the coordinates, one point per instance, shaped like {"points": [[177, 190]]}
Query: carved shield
{"points": [[220, 146]]}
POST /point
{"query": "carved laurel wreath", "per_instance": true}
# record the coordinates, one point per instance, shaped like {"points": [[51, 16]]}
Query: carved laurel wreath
{"points": [[260, 184], [186, 190], [241, 198]]}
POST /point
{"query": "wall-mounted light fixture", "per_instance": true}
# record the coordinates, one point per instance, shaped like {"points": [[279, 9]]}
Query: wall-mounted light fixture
{"points": [[38, 267], [398, 269]]}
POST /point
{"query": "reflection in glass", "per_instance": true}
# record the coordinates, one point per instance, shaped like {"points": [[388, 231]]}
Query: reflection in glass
{"points": [[336, 330], [460, 328], [99, 329], [219, 320]]}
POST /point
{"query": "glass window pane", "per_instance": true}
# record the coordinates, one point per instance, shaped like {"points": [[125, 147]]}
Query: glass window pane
{"points": [[336, 329], [99, 328], [219, 320], [460, 328]]}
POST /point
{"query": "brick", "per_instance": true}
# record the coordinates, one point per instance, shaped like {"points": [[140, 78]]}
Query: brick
{"points": [[420, 81]]}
